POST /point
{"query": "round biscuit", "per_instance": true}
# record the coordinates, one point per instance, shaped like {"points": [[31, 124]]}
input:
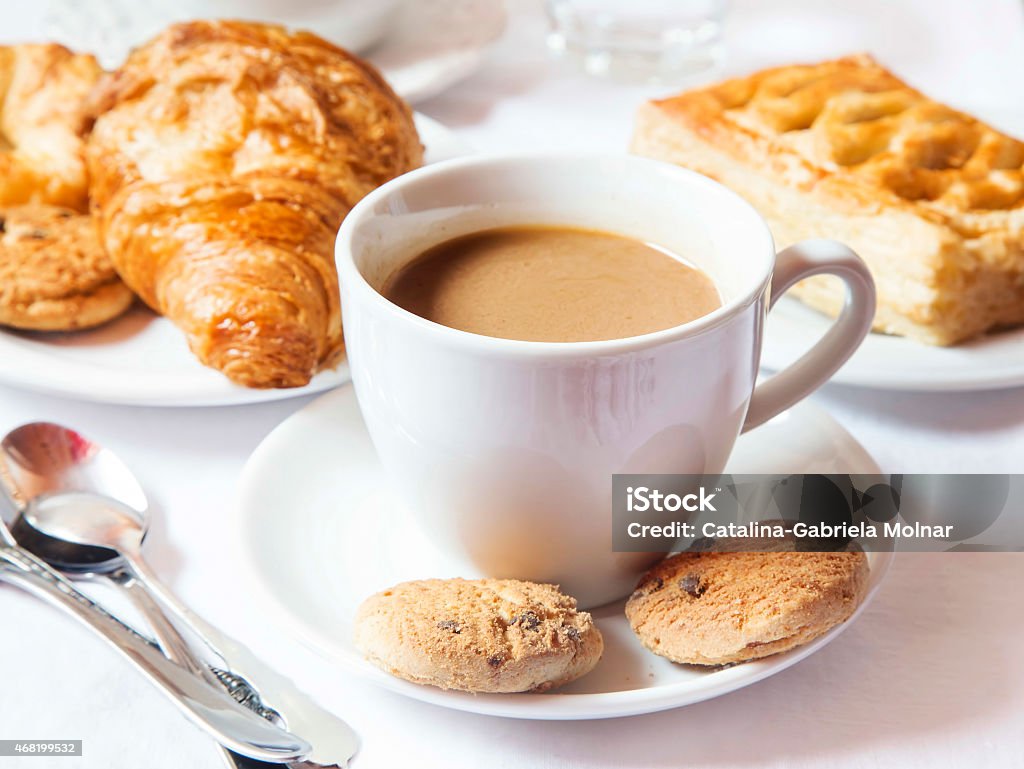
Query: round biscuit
{"points": [[718, 608], [54, 275], [486, 635]]}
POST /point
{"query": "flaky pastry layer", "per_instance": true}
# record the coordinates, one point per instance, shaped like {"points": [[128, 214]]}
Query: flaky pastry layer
{"points": [[931, 198]]}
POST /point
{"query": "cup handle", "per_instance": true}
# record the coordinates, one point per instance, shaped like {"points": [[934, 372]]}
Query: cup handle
{"points": [[813, 369]]}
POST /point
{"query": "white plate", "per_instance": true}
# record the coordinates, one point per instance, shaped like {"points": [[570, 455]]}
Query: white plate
{"points": [[319, 532], [436, 44], [142, 359], [894, 363], [431, 46], [989, 362]]}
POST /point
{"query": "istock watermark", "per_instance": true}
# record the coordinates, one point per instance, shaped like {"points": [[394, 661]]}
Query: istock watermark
{"points": [[818, 512], [641, 499]]}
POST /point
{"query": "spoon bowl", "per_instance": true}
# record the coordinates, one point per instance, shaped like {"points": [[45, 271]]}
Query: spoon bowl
{"points": [[47, 527], [42, 458], [90, 523], [65, 556], [47, 465]]}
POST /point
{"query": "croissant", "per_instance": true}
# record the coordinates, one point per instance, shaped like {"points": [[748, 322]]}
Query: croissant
{"points": [[222, 158], [42, 87]]}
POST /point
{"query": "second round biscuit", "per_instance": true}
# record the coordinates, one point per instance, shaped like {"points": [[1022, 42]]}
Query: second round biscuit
{"points": [[715, 608]]}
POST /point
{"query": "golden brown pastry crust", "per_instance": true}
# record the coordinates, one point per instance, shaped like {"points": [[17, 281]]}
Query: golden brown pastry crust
{"points": [[42, 88], [930, 197], [223, 158], [53, 274]]}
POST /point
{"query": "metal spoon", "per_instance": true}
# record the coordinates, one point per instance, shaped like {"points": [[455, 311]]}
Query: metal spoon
{"points": [[208, 707], [88, 514], [88, 562], [85, 561], [90, 520], [41, 463]]}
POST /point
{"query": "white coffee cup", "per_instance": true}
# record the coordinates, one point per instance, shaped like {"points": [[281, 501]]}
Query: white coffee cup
{"points": [[504, 450]]}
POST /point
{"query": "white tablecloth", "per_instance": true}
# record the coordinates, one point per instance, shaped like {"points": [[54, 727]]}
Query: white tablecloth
{"points": [[930, 676]]}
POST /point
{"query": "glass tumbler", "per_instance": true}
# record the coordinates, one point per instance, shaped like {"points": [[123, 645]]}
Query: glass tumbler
{"points": [[638, 40]]}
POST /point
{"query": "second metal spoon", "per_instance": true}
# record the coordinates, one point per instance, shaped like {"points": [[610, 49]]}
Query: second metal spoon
{"points": [[83, 510]]}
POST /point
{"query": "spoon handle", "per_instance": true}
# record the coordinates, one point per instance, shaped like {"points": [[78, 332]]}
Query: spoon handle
{"points": [[175, 648], [210, 708], [334, 742]]}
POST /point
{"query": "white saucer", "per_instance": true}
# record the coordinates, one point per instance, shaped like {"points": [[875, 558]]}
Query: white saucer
{"points": [[990, 362], [142, 359], [319, 532]]}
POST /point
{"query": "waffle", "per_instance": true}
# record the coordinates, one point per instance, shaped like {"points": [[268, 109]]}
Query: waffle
{"points": [[931, 198]]}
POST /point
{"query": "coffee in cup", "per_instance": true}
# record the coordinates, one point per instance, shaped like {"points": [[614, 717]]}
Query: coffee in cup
{"points": [[552, 284]]}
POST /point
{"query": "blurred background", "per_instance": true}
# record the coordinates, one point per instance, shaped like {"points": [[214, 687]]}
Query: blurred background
{"points": [[969, 53]]}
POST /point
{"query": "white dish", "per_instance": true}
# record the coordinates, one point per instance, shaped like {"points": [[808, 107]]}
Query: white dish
{"points": [[319, 532], [991, 362], [111, 28], [890, 362], [434, 45], [421, 48], [142, 359], [352, 24]]}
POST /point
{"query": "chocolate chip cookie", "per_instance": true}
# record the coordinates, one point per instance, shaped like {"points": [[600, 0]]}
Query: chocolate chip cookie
{"points": [[486, 635], [54, 275], [716, 608]]}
